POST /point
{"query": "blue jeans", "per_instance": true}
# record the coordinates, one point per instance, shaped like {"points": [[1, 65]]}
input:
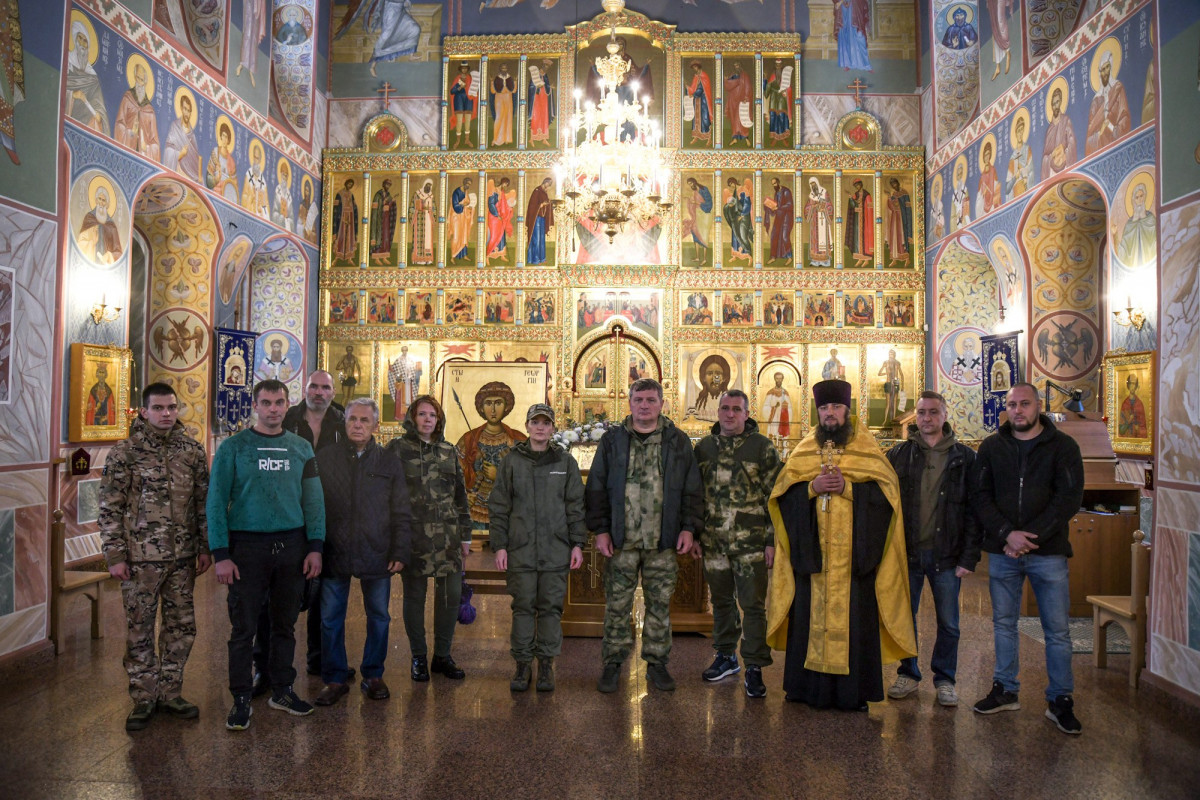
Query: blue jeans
{"points": [[1048, 577], [335, 593], [944, 585]]}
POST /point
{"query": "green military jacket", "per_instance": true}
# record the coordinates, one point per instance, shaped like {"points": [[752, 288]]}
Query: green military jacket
{"points": [[441, 517], [739, 473], [536, 508], [152, 497]]}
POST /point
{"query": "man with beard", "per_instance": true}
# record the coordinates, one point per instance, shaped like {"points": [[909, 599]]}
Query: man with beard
{"points": [[98, 237], [1059, 151], [182, 150], [778, 217], [839, 601], [383, 223], [714, 379], [137, 126], [1108, 115], [1028, 483], [85, 100]]}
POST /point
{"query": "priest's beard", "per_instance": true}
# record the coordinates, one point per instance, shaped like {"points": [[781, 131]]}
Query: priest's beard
{"points": [[840, 436]]}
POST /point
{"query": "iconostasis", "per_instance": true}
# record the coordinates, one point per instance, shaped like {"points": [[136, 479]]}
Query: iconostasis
{"points": [[772, 264]]}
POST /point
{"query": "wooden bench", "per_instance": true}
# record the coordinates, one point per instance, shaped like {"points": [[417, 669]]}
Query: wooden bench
{"points": [[68, 583], [1128, 612]]}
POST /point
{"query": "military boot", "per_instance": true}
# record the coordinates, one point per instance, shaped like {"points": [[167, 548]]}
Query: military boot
{"points": [[520, 678], [545, 681]]}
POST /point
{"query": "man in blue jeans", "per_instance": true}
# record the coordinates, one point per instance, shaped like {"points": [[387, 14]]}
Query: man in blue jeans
{"points": [[368, 535], [941, 536], [1027, 483]]}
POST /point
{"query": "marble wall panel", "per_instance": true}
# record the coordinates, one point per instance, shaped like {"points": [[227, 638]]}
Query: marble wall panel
{"points": [[32, 560], [28, 247], [24, 571], [899, 115], [1168, 584], [23, 628], [420, 115], [1179, 346], [1175, 662]]}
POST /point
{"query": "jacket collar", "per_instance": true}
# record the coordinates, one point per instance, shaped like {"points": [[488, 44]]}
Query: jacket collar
{"points": [[751, 428]]}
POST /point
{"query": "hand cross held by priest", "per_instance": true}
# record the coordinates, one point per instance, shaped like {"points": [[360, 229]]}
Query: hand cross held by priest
{"points": [[839, 599]]}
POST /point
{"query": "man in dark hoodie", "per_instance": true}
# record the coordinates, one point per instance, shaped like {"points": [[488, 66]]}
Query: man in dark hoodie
{"points": [[645, 501], [538, 534], [1027, 483], [738, 466], [368, 533], [941, 536]]}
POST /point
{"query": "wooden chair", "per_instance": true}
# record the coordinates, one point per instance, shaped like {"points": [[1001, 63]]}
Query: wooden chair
{"points": [[1128, 612], [70, 582]]}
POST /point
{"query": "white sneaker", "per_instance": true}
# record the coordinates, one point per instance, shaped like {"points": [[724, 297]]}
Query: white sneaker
{"points": [[903, 687], [946, 696]]}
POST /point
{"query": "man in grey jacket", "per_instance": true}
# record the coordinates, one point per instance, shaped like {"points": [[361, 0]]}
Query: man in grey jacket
{"points": [[537, 531]]}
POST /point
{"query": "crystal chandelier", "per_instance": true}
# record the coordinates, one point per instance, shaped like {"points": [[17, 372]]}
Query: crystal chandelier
{"points": [[611, 166]]}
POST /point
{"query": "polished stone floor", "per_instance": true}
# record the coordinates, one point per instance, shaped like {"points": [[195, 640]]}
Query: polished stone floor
{"points": [[63, 730]]}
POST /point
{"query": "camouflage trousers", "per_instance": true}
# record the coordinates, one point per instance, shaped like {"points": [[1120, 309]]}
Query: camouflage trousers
{"points": [[158, 676], [734, 581], [658, 570]]}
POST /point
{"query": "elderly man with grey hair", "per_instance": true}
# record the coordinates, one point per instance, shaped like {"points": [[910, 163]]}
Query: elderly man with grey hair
{"points": [[368, 536]]}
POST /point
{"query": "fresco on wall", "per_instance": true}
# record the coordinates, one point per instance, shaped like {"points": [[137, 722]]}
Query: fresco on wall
{"points": [[1133, 260], [1047, 23], [292, 28], [249, 58], [965, 307], [1001, 39], [195, 25], [12, 75], [396, 40], [100, 219], [1180, 102], [956, 65]]}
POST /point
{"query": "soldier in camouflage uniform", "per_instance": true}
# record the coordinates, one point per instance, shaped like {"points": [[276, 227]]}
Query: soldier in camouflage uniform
{"points": [[155, 536], [739, 466], [645, 502], [441, 535]]}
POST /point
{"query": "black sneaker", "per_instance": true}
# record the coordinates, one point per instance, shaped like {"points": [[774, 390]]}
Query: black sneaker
{"points": [[289, 701], [658, 675], [139, 718], [239, 715], [1061, 712], [722, 665], [608, 681], [998, 700], [420, 669], [446, 666], [754, 684]]}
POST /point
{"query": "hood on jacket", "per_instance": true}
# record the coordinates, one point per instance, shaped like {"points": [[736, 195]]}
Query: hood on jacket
{"points": [[947, 441], [552, 453], [140, 431], [751, 427], [410, 417]]}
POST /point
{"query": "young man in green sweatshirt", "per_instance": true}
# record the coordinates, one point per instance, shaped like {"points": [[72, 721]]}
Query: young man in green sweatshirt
{"points": [[266, 530]]}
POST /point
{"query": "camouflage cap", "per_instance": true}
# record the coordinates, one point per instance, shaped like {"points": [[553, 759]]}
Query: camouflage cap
{"points": [[540, 410]]}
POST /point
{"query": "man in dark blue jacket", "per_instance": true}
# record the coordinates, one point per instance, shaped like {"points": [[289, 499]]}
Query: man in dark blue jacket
{"points": [[1027, 484], [368, 526], [941, 536], [645, 503]]}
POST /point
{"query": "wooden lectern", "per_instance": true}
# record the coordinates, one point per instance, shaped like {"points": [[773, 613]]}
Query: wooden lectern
{"points": [[1100, 540]]}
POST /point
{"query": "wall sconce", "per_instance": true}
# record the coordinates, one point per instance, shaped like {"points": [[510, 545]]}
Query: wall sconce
{"points": [[1130, 316], [1075, 404], [104, 313]]}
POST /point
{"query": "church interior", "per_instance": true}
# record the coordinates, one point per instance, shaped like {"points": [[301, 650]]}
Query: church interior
{"points": [[568, 196]]}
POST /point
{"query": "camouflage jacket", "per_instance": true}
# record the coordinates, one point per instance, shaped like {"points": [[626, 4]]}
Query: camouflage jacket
{"points": [[152, 497], [441, 518], [739, 473]]}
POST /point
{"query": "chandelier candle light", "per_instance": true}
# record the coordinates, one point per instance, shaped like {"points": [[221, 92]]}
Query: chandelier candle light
{"points": [[611, 163]]}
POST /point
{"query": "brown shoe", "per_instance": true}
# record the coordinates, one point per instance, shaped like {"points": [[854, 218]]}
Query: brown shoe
{"points": [[375, 688], [331, 694]]}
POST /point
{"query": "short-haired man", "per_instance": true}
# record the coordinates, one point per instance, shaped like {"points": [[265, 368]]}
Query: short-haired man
{"points": [[266, 510], [738, 466], [645, 502], [940, 533], [320, 421], [155, 539], [368, 535], [1028, 483], [839, 595]]}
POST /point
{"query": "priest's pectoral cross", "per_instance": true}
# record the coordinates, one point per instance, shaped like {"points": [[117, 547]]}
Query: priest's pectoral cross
{"points": [[829, 454]]}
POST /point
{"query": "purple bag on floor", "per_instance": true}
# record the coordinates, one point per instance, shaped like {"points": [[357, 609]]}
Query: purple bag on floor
{"points": [[466, 611]]}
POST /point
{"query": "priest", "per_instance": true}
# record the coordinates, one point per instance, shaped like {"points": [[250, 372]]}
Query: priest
{"points": [[839, 600]]}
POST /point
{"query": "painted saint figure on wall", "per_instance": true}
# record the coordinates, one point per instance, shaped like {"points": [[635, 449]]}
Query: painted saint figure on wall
{"points": [[85, 100], [860, 225], [383, 223], [899, 232], [1132, 420], [503, 88], [1108, 115], [462, 105], [739, 214], [254, 185], [221, 176], [482, 449], [499, 220], [136, 126], [818, 213], [1020, 163], [345, 222], [254, 30], [779, 212], [991, 194], [404, 381], [539, 219], [182, 151], [424, 224], [1000, 11], [700, 93], [739, 96], [541, 104], [697, 220], [777, 409], [101, 408], [99, 238], [462, 220], [1059, 151], [777, 102], [1138, 246], [851, 19]]}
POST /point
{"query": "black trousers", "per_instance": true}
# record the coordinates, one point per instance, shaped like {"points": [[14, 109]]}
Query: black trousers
{"points": [[271, 570], [262, 640]]}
